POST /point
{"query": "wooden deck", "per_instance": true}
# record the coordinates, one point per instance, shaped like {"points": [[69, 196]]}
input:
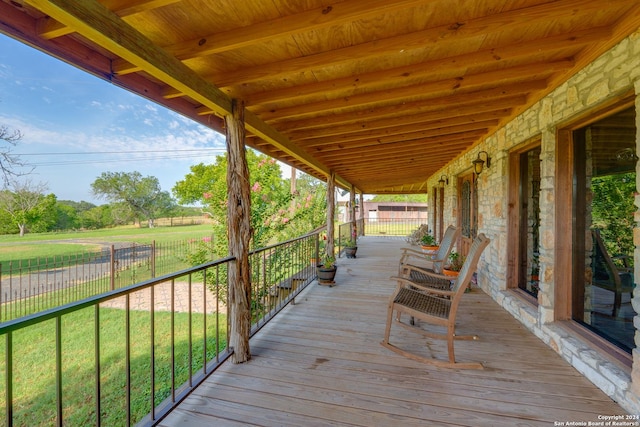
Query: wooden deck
{"points": [[321, 363]]}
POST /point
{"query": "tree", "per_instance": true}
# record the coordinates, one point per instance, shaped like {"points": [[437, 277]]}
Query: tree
{"points": [[276, 214], [206, 184], [141, 196], [25, 204], [9, 162], [613, 211], [406, 198]]}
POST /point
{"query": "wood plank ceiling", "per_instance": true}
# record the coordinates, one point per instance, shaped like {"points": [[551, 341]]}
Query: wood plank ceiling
{"points": [[381, 92]]}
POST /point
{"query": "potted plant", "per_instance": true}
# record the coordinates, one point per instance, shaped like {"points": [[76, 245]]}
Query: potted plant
{"points": [[350, 248], [327, 268], [456, 260], [429, 243]]}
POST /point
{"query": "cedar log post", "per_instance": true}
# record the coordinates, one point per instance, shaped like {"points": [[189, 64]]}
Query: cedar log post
{"points": [[362, 212], [239, 229], [352, 212], [331, 207]]}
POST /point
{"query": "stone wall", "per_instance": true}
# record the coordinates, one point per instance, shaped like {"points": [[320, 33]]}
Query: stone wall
{"points": [[613, 74]]}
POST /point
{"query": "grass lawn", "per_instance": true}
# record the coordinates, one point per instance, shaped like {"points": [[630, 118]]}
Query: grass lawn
{"points": [[49, 245], [47, 248], [34, 365], [67, 254]]}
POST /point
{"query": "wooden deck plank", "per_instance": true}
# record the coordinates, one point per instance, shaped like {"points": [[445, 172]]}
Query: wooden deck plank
{"points": [[320, 362]]}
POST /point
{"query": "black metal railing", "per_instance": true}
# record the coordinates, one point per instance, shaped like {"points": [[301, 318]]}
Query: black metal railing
{"points": [[130, 355], [28, 286], [345, 233], [392, 226]]}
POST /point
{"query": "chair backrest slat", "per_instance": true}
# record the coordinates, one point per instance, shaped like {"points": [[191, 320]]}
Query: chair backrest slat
{"points": [[446, 245], [471, 262]]}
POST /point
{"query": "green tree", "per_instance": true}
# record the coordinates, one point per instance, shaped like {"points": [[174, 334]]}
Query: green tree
{"points": [[25, 204], [67, 217], [97, 217], [407, 198], [141, 196], [613, 209], [206, 185]]}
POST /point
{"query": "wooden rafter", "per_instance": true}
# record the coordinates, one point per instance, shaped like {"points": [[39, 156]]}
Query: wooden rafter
{"points": [[347, 88]]}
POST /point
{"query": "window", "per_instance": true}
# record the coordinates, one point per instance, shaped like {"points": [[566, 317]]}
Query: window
{"points": [[603, 188], [524, 218]]}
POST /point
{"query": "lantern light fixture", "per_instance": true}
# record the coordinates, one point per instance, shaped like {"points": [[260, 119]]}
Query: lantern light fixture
{"points": [[444, 180], [478, 163]]}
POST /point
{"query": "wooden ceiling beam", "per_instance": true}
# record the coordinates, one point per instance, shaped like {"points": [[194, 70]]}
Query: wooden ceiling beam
{"points": [[335, 14], [369, 117], [441, 97], [374, 145], [402, 159], [419, 121], [401, 132], [453, 33], [494, 55], [50, 28], [513, 75], [101, 26]]}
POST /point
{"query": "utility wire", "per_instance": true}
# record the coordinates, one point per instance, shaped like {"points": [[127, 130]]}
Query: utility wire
{"points": [[150, 155], [205, 150]]}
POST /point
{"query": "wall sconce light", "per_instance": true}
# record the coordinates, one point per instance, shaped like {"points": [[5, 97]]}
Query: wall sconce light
{"points": [[443, 180], [478, 164]]}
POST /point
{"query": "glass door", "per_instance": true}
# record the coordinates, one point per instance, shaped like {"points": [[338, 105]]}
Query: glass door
{"points": [[604, 191]]}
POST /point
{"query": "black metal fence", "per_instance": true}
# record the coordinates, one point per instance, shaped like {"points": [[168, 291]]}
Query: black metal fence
{"points": [[33, 285], [392, 227], [129, 355]]}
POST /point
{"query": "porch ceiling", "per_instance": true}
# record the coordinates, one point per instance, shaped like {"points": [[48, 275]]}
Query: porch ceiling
{"points": [[381, 92]]}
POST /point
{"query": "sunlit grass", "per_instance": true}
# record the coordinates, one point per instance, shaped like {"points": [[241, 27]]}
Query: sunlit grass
{"points": [[34, 390]]}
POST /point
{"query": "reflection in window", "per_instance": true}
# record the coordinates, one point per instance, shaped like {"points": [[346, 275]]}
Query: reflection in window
{"points": [[605, 186]]}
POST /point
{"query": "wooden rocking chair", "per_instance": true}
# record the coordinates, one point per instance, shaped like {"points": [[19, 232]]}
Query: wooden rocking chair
{"points": [[416, 272], [435, 308], [607, 275]]}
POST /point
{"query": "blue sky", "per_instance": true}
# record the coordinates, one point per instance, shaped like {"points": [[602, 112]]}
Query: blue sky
{"points": [[76, 126]]}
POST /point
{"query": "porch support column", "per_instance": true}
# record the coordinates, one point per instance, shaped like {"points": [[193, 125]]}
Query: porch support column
{"points": [[635, 301], [362, 213], [239, 228], [352, 212], [331, 208]]}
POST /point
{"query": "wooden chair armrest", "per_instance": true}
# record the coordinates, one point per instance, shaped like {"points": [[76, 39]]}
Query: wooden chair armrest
{"points": [[412, 251], [402, 282], [411, 267]]}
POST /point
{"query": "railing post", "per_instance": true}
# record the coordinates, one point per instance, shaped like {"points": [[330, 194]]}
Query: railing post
{"points": [[153, 259], [362, 214], [353, 229], [112, 274]]}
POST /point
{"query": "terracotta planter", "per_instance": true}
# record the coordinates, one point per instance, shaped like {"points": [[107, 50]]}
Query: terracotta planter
{"points": [[430, 249], [351, 252], [450, 273]]}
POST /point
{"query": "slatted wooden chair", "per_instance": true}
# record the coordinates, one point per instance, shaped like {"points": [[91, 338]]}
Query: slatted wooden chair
{"points": [[607, 275], [415, 271], [435, 309]]}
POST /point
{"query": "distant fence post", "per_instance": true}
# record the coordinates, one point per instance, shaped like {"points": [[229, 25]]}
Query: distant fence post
{"points": [[113, 268], [153, 258]]}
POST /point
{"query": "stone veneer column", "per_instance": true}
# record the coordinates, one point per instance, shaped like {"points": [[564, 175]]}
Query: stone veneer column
{"points": [[635, 302]]}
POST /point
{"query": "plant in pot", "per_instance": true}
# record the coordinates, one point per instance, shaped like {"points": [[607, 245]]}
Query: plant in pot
{"points": [[453, 267], [429, 243], [351, 247], [327, 268]]}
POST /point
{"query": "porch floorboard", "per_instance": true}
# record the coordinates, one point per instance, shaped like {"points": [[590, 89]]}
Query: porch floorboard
{"points": [[320, 363]]}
